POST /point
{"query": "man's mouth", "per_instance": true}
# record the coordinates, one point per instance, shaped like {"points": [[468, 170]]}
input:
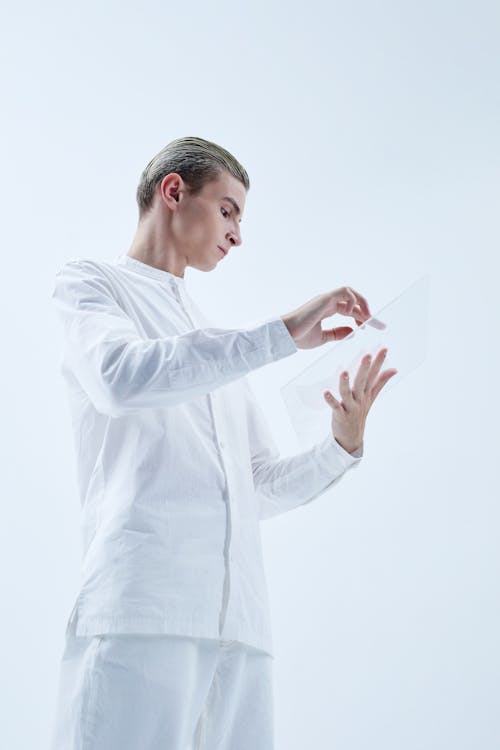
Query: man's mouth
{"points": [[221, 248]]}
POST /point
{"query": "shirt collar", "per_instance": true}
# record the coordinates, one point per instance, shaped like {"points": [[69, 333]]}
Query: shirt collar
{"points": [[147, 270]]}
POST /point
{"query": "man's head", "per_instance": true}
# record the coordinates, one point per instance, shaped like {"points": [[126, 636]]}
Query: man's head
{"points": [[192, 195]]}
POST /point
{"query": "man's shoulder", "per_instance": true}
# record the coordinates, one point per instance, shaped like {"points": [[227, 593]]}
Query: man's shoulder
{"points": [[83, 274], [86, 265]]}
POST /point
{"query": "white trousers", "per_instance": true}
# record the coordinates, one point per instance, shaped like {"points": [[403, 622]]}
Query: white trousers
{"points": [[163, 692]]}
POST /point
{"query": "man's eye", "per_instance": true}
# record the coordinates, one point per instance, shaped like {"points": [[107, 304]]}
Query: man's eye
{"points": [[225, 212]]}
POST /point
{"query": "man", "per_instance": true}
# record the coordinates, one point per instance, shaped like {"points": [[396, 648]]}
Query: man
{"points": [[169, 641]]}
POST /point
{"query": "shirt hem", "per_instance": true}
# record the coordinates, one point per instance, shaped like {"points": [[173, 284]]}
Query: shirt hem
{"points": [[91, 626]]}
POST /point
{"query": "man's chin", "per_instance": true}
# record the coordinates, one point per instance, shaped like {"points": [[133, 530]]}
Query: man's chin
{"points": [[207, 265]]}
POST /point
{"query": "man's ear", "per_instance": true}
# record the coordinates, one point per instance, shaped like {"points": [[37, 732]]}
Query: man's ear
{"points": [[171, 188]]}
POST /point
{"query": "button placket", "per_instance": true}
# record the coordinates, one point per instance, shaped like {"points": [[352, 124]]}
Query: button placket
{"points": [[175, 290], [184, 303], [218, 416], [217, 411]]}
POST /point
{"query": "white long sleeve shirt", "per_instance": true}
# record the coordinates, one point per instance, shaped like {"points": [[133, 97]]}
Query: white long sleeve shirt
{"points": [[176, 463]]}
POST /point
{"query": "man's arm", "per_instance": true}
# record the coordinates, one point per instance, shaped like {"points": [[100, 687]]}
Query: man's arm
{"points": [[282, 484], [122, 372]]}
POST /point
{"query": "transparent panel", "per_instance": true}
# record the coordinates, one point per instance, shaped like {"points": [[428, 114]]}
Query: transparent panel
{"points": [[401, 326]]}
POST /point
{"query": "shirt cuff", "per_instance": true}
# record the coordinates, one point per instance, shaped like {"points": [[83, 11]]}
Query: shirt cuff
{"points": [[333, 455], [282, 342]]}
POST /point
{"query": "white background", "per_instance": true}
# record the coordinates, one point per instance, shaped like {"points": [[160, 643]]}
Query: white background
{"points": [[370, 134]]}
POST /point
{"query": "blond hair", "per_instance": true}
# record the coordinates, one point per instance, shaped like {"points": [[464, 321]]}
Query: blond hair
{"points": [[196, 160]]}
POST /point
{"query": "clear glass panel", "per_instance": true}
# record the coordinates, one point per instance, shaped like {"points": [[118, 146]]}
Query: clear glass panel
{"points": [[401, 326]]}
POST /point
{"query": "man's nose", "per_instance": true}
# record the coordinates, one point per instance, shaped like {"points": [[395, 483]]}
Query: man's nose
{"points": [[234, 238]]}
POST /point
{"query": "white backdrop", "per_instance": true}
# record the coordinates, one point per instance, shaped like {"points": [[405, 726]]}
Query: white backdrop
{"points": [[370, 134]]}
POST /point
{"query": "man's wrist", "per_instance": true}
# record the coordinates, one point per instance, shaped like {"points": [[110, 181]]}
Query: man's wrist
{"points": [[350, 449]]}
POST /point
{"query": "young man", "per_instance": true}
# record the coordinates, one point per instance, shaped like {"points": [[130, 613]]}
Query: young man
{"points": [[169, 640]]}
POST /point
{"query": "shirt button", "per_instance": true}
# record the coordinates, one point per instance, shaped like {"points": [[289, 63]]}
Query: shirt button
{"points": [[221, 445]]}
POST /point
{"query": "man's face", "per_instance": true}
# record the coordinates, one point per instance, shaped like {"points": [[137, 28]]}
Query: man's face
{"points": [[209, 220]]}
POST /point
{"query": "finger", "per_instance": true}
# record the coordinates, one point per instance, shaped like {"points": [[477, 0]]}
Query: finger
{"points": [[335, 334], [375, 368], [346, 308], [330, 399], [363, 304], [361, 377], [347, 301], [383, 379], [344, 389], [357, 312], [352, 301]]}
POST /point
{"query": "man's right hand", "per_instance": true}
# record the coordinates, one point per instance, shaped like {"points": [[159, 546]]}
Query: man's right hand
{"points": [[304, 324]]}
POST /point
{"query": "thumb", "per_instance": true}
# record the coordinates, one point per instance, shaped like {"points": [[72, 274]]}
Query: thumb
{"points": [[335, 334]]}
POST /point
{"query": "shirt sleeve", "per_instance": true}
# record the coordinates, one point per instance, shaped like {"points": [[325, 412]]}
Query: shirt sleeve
{"points": [[122, 371], [282, 484]]}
